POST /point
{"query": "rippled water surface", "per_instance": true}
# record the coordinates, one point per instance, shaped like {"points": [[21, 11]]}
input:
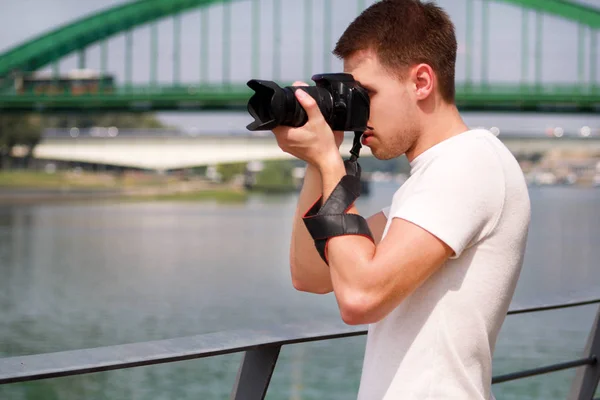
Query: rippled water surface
{"points": [[79, 276]]}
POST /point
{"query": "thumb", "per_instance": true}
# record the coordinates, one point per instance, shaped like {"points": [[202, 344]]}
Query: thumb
{"points": [[309, 104]]}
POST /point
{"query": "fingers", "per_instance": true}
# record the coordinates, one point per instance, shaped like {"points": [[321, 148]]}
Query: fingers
{"points": [[309, 104]]}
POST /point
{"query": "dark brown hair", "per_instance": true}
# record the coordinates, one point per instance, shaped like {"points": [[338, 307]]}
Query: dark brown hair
{"points": [[404, 33]]}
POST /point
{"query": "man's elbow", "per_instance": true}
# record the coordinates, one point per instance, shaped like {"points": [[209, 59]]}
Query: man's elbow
{"points": [[307, 284], [359, 309], [303, 286]]}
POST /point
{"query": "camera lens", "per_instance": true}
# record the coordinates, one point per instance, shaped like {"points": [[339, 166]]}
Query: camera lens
{"points": [[272, 105], [342, 101]]}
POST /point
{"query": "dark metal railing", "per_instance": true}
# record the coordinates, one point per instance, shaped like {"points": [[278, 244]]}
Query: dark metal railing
{"points": [[261, 353], [553, 307], [592, 360]]}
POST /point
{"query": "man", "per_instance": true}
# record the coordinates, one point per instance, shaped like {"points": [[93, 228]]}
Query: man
{"points": [[435, 283]]}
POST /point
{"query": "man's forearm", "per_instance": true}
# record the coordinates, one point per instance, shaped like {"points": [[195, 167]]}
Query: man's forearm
{"points": [[348, 255], [309, 271]]}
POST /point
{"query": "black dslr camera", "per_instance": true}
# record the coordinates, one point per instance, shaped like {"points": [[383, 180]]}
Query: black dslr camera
{"points": [[342, 101]]}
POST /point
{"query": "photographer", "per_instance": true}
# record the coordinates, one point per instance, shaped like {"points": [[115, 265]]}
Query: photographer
{"points": [[435, 272]]}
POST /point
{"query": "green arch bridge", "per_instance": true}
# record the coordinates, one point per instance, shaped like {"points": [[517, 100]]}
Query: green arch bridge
{"points": [[475, 92]]}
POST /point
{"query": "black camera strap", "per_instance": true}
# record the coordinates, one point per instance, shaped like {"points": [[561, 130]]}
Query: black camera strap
{"points": [[332, 219]]}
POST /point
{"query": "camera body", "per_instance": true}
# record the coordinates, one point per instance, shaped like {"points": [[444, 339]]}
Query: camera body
{"points": [[343, 102]]}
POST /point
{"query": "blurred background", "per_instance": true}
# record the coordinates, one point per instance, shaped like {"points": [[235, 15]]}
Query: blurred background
{"points": [[135, 205]]}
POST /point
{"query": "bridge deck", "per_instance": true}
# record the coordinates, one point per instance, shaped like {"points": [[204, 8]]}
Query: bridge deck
{"points": [[563, 98]]}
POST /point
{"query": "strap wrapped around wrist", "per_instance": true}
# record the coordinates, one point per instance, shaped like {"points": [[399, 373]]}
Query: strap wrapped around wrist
{"points": [[328, 226], [331, 219]]}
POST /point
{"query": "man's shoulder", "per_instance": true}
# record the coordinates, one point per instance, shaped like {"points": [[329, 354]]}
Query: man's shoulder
{"points": [[474, 153], [472, 146], [470, 156]]}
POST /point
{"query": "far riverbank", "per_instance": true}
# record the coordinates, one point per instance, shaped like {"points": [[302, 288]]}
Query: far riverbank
{"points": [[25, 187]]}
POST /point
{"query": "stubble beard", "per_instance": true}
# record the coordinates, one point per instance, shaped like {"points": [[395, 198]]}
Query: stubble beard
{"points": [[397, 146]]}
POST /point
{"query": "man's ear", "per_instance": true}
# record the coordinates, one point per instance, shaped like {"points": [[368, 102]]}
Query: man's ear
{"points": [[423, 78]]}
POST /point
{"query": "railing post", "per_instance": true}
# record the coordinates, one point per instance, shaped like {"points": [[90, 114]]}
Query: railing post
{"points": [[586, 381], [255, 373]]}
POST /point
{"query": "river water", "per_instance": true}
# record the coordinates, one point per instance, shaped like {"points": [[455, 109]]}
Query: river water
{"points": [[86, 275]]}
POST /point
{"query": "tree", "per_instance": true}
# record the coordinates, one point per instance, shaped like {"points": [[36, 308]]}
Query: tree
{"points": [[230, 171], [18, 130], [276, 176]]}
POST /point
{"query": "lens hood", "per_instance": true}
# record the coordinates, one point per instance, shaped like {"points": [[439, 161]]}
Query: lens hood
{"points": [[264, 104]]}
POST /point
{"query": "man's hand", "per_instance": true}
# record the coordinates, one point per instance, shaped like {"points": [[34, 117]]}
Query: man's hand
{"points": [[314, 142]]}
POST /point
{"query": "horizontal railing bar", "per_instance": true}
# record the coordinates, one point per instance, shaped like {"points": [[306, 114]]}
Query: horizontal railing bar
{"points": [[553, 307], [544, 370], [82, 361], [76, 362]]}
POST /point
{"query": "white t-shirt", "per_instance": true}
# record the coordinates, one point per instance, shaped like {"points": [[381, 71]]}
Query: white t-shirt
{"points": [[470, 192]]}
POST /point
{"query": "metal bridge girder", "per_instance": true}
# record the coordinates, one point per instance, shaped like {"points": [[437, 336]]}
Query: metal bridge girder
{"points": [[576, 12], [54, 45]]}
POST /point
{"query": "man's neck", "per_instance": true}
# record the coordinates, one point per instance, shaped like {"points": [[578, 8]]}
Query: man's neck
{"points": [[446, 123]]}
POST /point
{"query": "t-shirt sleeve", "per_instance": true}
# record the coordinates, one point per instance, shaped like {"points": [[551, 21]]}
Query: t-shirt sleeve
{"points": [[457, 200], [386, 211]]}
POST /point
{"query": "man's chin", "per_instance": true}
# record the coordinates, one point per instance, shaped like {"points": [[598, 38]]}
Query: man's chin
{"points": [[382, 156]]}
